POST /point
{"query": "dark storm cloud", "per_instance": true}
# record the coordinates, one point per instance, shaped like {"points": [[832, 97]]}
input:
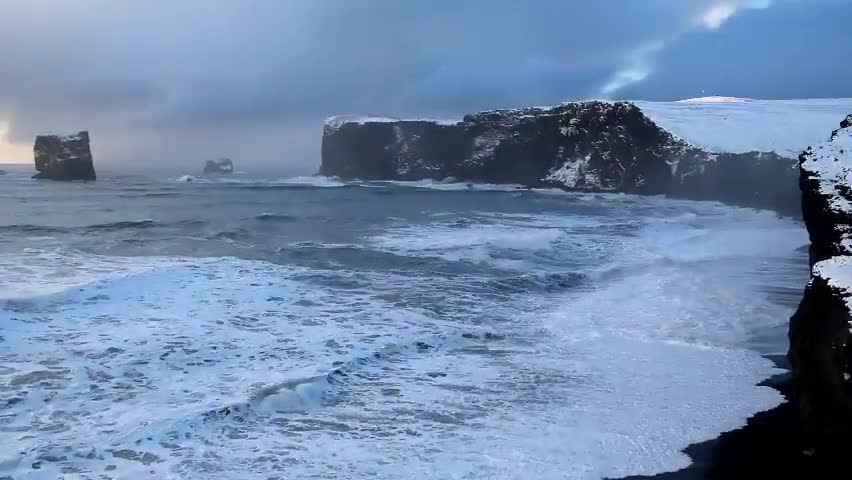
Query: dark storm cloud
{"points": [[166, 75]]}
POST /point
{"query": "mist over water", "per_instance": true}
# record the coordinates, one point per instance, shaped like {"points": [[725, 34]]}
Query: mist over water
{"points": [[172, 326]]}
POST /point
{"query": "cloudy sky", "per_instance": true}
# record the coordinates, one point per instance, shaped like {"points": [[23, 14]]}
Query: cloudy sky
{"points": [[174, 82]]}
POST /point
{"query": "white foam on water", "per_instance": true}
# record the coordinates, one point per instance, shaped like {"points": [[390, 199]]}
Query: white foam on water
{"points": [[299, 396], [314, 181], [190, 179], [481, 240], [300, 181], [457, 186], [40, 272], [227, 368], [149, 352]]}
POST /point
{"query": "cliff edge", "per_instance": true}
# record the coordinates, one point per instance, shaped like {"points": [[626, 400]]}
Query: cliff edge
{"points": [[820, 347]]}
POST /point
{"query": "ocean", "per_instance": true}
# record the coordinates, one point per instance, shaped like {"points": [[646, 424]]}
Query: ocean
{"points": [[182, 327]]}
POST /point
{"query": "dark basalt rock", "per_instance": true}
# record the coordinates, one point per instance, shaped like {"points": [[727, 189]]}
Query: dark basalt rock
{"points": [[820, 340], [587, 146], [66, 157], [223, 165]]}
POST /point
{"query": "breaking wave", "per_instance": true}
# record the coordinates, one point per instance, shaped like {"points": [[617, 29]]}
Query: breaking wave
{"points": [[494, 335]]}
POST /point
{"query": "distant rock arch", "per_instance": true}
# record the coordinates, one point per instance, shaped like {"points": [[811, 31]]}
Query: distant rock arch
{"points": [[222, 165]]}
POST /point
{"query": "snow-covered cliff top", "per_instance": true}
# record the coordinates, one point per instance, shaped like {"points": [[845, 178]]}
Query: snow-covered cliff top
{"points": [[736, 125], [719, 124], [830, 165], [715, 99], [837, 271]]}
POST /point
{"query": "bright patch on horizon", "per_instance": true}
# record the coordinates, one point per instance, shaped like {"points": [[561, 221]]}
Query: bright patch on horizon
{"points": [[10, 152]]}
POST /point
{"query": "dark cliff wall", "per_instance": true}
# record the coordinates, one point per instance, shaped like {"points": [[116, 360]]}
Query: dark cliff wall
{"points": [[820, 346], [404, 150], [64, 157], [589, 146]]}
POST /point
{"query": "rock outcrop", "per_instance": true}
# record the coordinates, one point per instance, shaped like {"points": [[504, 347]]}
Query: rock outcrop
{"points": [[222, 165], [820, 340], [67, 157], [588, 146]]}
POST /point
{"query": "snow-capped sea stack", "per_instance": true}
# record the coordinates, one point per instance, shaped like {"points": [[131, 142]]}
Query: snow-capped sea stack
{"points": [[64, 157], [820, 341], [588, 146]]}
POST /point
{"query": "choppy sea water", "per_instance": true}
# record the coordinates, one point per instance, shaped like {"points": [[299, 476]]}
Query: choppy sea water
{"points": [[309, 328]]}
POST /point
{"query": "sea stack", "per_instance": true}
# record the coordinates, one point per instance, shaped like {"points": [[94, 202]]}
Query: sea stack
{"points": [[64, 157], [820, 340], [222, 165]]}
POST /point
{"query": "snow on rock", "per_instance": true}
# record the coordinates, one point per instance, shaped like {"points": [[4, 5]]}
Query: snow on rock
{"points": [[785, 127], [830, 165], [837, 272], [67, 157], [820, 338], [728, 149], [568, 174]]}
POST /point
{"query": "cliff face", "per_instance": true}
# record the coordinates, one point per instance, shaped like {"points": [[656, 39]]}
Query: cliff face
{"points": [[64, 157], [820, 347], [589, 146]]}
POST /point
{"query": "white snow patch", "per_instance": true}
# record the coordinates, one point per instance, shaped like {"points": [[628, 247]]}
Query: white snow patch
{"points": [[786, 127], [837, 271], [830, 163], [568, 174], [485, 144], [715, 99]]}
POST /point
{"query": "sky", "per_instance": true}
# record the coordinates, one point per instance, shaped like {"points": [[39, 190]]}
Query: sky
{"points": [[176, 82]]}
